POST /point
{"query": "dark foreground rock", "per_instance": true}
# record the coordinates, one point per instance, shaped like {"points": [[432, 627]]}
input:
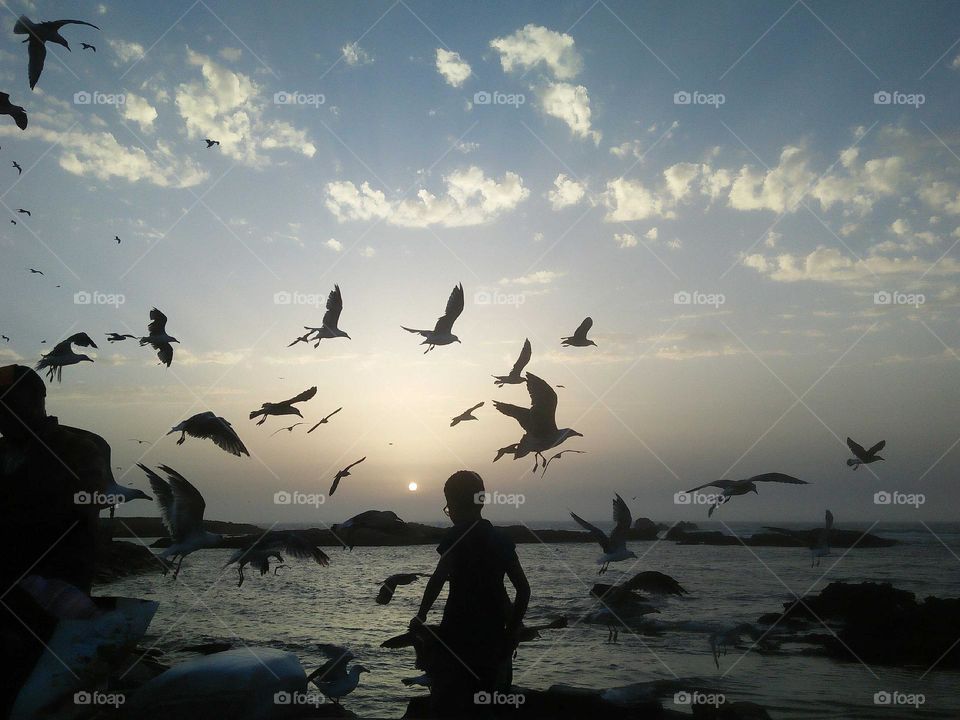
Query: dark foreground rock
{"points": [[120, 558], [875, 623]]}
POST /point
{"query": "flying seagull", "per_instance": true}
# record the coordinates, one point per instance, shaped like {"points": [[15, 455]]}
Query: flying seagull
{"points": [[614, 546], [158, 338], [288, 428], [5, 338], [18, 114], [325, 420], [117, 238], [539, 423], [556, 456], [19, 170], [389, 586], [465, 415], [25, 212], [13, 222], [63, 354], [117, 337], [515, 377], [87, 46], [732, 488], [329, 328], [441, 335], [269, 546], [181, 510], [285, 407], [210, 143], [208, 426], [123, 494], [864, 457], [140, 442], [36, 272], [40, 34], [579, 337], [343, 473], [332, 678]]}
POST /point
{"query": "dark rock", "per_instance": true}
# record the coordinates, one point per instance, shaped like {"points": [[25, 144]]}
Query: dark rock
{"points": [[147, 527], [643, 529], [120, 558]]}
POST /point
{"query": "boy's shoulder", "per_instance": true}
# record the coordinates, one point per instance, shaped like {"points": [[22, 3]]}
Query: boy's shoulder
{"points": [[480, 531]]}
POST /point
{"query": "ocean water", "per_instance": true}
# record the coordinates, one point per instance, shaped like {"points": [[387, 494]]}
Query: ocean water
{"points": [[305, 605]]}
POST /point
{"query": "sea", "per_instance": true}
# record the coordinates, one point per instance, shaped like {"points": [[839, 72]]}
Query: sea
{"points": [[305, 605]]}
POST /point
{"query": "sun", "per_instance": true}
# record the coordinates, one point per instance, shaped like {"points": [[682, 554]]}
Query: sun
{"points": [[412, 487]]}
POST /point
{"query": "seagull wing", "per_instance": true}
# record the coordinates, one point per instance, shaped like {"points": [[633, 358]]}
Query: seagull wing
{"points": [[623, 520], [524, 358], [520, 414], [543, 407], [296, 545], [208, 426], [777, 477], [385, 595], [165, 353], [336, 483], [333, 413], [37, 51], [355, 463], [877, 448], [581, 332], [599, 535], [334, 306], [81, 339], [188, 503], [302, 397], [450, 315], [856, 449], [158, 323], [475, 407], [722, 484], [61, 348], [57, 24], [164, 495], [336, 666]]}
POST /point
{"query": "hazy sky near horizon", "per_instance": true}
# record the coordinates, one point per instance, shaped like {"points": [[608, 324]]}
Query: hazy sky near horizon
{"points": [[789, 168]]}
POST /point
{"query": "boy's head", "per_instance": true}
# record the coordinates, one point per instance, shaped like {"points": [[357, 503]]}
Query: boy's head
{"points": [[464, 494]]}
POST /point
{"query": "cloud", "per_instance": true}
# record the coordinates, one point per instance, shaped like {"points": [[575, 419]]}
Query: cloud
{"points": [[570, 103], [469, 198], [534, 45], [626, 240], [334, 245], [126, 52], [629, 200], [566, 192], [138, 110], [454, 69], [679, 178], [231, 54], [353, 54], [540, 277], [776, 189], [368, 252]]}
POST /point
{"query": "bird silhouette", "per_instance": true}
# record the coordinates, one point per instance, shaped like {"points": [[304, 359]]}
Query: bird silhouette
{"points": [[117, 238], [36, 272], [18, 114], [515, 376], [25, 212], [62, 354], [324, 420], [465, 415], [158, 338], [17, 166], [87, 46], [288, 428], [342, 474], [40, 34], [579, 337], [331, 318], [117, 337], [208, 426], [210, 143], [614, 546], [441, 333], [284, 407], [864, 457], [732, 488]]}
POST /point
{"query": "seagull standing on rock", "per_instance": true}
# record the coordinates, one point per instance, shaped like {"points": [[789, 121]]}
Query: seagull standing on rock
{"points": [[441, 333], [62, 354]]}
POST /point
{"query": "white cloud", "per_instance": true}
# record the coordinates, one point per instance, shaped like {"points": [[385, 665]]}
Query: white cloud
{"points": [[651, 234], [626, 240], [126, 52], [679, 178], [138, 110], [231, 54], [540, 277], [368, 252], [570, 103], [628, 200], [777, 189], [454, 69], [534, 45], [334, 244], [353, 54], [566, 192]]}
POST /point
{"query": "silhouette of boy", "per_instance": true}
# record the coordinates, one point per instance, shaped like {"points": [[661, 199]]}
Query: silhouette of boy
{"points": [[478, 633]]}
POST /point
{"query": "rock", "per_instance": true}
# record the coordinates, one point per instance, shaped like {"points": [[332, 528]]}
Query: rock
{"points": [[643, 529], [120, 558], [147, 527]]}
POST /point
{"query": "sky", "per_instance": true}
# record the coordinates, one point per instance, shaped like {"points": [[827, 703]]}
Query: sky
{"points": [[758, 203]]}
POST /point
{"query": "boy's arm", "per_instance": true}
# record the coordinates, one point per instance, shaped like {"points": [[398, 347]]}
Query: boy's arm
{"points": [[519, 580], [434, 586]]}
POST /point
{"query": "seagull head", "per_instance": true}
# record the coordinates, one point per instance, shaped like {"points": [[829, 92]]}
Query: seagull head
{"points": [[359, 669], [173, 340], [570, 432], [60, 40], [455, 338], [81, 358], [753, 489], [135, 494], [877, 457]]}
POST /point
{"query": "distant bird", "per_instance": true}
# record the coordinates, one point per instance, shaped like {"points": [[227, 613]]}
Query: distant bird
{"points": [[556, 456], [5, 338], [539, 423], [269, 546], [614, 546], [117, 337], [210, 143], [579, 337], [62, 354], [441, 333], [40, 34], [13, 222], [329, 328], [87, 46], [465, 415], [208, 426], [17, 166], [288, 429], [141, 442], [117, 238], [25, 212], [325, 420], [181, 510], [864, 457], [732, 488], [36, 272], [332, 678], [18, 114], [389, 586], [285, 407], [515, 376], [344, 473], [158, 338]]}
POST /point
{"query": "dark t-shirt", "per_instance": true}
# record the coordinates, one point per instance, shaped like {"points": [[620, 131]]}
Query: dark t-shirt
{"points": [[478, 606]]}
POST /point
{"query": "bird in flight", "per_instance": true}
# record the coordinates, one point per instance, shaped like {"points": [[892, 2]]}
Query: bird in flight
{"points": [[36, 272], [269, 546], [117, 337], [465, 415], [732, 488], [208, 426], [158, 338], [87, 46], [540, 431], [331, 317], [556, 456], [579, 337], [5, 338], [63, 354], [140, 442], [864, 457], [324, 421], [515, 376], [40, 34], [614, 546], [117, 238], [288, 429], [13, 222], [18, 114], [441, 333], [344, 473], [25, 212], [389, 586], [17, 166], [332, 678], [210, 143], [285, 407]]}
